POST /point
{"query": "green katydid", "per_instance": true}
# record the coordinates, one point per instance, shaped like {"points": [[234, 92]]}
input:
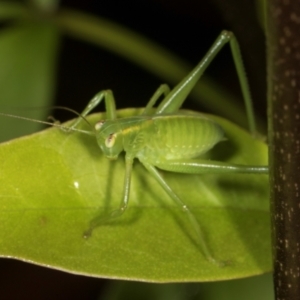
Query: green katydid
{"points": [[177, 139]]}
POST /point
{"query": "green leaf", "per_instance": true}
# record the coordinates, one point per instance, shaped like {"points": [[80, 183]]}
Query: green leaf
{"points": [[54, 183], [27, 68], [12, 10], [46, 6]]}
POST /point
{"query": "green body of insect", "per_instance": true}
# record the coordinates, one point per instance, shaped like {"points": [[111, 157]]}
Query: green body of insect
{"points": [[171, 137], [168, 139]]}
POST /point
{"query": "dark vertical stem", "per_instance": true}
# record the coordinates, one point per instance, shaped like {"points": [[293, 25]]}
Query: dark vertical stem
{"points": [[283, 44]]}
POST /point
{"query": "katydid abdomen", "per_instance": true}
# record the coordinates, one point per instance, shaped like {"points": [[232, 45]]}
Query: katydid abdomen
{"points": [[176, 136]]}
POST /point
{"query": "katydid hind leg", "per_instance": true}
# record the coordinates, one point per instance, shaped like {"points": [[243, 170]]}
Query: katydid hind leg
{"points": [[240, 69], [177, 96], [173, 101], [200, 235], [201, 166], [100, 220]]}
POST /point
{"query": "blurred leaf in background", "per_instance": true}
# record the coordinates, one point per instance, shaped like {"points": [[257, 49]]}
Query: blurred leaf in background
{"points": [[28, 51]]}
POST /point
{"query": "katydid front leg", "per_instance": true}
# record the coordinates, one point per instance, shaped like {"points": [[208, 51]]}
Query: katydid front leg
{"points": [[123, 205], [110, 106]]}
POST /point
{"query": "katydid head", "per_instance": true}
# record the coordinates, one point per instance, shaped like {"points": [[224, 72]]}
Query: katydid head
{"points": [[109, 138]]}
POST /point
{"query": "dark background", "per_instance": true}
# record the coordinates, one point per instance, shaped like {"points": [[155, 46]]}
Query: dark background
{"points": [[187, 28]]}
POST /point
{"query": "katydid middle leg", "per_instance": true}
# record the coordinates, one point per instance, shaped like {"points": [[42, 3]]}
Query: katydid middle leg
{"points": [[200, 236], [162, 90], [195, 166]]}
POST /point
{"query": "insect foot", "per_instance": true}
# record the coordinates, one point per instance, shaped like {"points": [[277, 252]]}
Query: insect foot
{"points": [[98, 221]]}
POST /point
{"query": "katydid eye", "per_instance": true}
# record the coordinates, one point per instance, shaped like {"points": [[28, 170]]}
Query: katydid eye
{"points": [[110, 141], [99, 124]]}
